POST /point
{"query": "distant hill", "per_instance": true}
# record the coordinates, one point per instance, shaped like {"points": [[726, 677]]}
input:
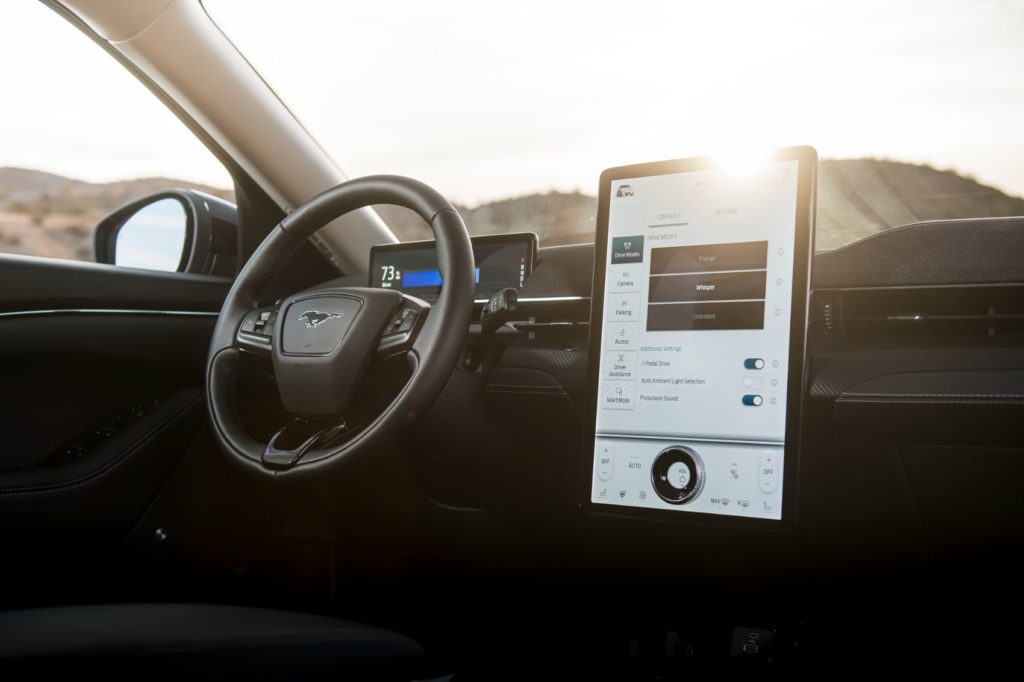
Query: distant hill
{"points": [[856, 198], [46, 214], [556, 217], [65, 195]]}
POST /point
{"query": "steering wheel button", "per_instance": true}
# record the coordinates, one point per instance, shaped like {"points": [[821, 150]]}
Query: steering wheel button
{"points": [[249, 323], [407, 320]]}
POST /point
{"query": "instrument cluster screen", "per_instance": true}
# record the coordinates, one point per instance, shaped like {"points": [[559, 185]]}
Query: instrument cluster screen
{"points": [[502, 261]]}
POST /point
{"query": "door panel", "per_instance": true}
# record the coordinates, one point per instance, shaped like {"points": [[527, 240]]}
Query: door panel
{"points": [[28, 283], [102, 395], [67, 374]]}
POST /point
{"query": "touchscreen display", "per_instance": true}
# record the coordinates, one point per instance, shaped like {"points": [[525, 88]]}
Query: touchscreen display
{"points": [[695, 341]]}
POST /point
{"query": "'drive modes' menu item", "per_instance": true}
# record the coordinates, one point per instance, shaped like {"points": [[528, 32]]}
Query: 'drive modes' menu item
{"points": [[695, 342]]}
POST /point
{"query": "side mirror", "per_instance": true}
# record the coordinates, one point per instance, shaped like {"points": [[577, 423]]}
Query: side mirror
{"points": [[175, 231], [153, 237]]}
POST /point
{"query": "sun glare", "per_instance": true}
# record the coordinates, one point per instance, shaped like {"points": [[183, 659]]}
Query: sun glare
{"points": [[742, 162]]}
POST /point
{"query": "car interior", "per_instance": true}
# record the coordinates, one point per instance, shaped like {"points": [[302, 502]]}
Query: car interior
{"points": [[287, 445]]}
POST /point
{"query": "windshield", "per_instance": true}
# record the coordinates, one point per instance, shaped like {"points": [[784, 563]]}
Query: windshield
{"points": [[915, 107]]}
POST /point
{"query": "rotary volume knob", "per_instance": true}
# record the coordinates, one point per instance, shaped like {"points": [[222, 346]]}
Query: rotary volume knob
{"points": [[677, 474]]}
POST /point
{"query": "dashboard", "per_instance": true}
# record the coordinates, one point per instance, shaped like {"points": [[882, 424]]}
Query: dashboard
{"points": [[911, 447], [911, 438], [914, 364], [911, 452]]}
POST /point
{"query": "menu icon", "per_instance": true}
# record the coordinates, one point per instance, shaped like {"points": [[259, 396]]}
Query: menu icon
{"points": [[627, 250]]}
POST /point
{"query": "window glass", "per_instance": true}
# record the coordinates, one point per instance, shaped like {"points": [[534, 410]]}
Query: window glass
{"points": [[513, 110], [79, 137]]}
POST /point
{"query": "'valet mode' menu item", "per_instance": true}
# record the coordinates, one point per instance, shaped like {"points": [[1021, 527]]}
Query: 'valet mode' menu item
{"points": [[700, 334]]}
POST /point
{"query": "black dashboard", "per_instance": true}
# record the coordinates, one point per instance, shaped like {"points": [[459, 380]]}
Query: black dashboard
{"points": [[913, 448], [916, 340]]}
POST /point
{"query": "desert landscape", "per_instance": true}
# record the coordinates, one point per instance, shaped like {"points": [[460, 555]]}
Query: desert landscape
{"points": [[43, 214]]}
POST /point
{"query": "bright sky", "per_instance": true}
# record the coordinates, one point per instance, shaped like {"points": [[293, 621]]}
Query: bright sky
{"points": [[485, 100], [67, 107]]}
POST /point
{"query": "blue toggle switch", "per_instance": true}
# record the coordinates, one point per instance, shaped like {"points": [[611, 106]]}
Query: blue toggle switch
{"points": [[753, 400], [754, 363]]}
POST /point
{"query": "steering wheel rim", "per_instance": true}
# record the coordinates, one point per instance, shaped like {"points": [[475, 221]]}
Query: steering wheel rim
{"points": [[434, 351]]}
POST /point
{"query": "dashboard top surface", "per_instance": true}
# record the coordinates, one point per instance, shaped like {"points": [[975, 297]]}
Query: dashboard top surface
{"points": [[934, 253]]}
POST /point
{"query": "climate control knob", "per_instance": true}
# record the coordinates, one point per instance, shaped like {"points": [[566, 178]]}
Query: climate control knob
{"points": [[677, 474]]}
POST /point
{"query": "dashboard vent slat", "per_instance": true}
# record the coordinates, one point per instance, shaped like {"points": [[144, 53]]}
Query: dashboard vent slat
{"points": [[936, 311]]}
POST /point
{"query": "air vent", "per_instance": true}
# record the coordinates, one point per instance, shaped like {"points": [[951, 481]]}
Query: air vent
{"points": [[934, 311], [829, 313]]}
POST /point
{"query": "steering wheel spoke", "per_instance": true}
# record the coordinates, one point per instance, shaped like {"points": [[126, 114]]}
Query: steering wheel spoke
{"points": [[256, 331], [291, 442], [402, 330]]}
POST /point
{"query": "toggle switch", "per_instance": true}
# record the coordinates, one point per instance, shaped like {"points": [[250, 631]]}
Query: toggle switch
{"points": [[754, 363], [753, 400]]}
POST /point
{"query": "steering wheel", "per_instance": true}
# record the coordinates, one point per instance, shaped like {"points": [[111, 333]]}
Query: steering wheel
{"points": [[322, 340]]}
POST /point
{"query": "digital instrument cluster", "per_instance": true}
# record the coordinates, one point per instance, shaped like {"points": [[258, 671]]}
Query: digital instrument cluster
{"points": [[502, 261]]}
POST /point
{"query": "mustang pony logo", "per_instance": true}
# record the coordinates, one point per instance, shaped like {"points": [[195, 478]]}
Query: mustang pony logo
{"points": [[314, 318]]}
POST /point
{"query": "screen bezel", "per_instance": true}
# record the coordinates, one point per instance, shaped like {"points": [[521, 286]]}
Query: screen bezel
{"points": [[807, 159], [529, 238]]}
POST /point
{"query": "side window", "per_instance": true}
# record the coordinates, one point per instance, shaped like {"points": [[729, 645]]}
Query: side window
{"points": [[81, 137]]}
